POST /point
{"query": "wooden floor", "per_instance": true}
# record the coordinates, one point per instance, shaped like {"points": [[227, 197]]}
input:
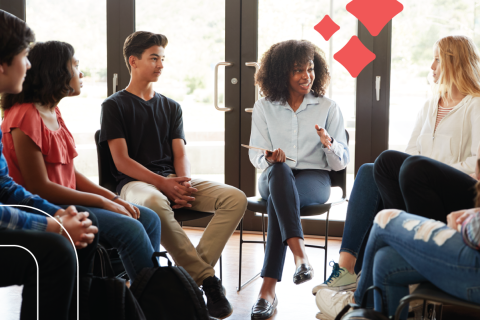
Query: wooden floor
{"points": [[295, 302]]}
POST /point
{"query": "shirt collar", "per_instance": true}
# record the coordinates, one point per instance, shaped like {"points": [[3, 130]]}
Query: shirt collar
{"points": [[307, 100]]}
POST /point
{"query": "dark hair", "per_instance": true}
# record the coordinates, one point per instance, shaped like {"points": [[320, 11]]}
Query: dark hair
{"points": [[48, 81], [138, 42], [15, 36], [278, 63]]}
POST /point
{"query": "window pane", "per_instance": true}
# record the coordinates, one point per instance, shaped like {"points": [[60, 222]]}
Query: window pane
{"points": [[195, 45], [300, 19], [82, 23]]}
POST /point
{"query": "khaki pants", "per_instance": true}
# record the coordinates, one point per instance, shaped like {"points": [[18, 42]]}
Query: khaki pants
{"points": [[228, 204]]}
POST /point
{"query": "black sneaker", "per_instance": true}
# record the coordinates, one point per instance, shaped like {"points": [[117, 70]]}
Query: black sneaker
{"points": [[217, 304]]}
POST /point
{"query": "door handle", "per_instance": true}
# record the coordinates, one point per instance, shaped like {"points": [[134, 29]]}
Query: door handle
{"points": [[377, 86], [215, 86], [256, 65], [115, 82]]}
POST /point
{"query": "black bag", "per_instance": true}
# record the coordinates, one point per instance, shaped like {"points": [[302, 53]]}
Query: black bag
{"points": [[169, 293], [107, 297], [361, 312]]}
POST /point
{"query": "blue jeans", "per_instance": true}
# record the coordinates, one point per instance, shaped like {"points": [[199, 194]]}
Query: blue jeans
{"points": [[404, 249], [286, 191], [135, 240], [364, 203]]}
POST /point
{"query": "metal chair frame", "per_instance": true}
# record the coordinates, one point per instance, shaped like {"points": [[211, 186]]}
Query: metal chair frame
{"points": [[108, 181], [428, 292], [338, 178]]}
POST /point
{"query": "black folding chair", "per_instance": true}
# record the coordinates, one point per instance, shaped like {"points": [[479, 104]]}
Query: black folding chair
{"points": [[257, 204], [108, 181]]}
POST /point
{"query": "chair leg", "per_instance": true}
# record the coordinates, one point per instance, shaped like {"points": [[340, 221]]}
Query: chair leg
{"points": [[221, 276], [326, 247], [240, 258], [263, 231]]}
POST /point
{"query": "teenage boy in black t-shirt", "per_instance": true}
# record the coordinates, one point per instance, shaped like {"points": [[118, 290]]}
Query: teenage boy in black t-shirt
{"points": [[144, 131]]}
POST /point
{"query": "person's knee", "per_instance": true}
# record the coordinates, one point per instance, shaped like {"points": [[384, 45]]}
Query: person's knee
{"points": [[384, 160], [413, 166], [160, 204], [280, 168], [365, 170], [384, 217], [150, 217], [133, 228]]}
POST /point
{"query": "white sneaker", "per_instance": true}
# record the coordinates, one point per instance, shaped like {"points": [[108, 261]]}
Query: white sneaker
{"points": [[331, 302], [322, 316], [340, 280]]}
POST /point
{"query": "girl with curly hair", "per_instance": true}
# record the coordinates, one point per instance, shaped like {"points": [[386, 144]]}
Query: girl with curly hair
{"points": [[40, 150], [295, 120]]}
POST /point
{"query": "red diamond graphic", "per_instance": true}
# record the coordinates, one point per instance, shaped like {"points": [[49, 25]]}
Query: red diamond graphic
{"points": [[374, 14], [326, 27], [354, 56]]}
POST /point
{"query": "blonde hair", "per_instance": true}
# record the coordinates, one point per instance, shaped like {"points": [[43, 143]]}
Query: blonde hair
{"points": [[460, 66]]}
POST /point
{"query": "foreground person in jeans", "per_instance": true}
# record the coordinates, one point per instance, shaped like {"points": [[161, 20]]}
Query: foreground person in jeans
{"points": [[447, 130], [405, 249], [295, 120]]}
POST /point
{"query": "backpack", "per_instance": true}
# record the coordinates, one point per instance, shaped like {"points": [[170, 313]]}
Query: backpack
{"points": [[361, 312], [168, 293], [107, 296]]}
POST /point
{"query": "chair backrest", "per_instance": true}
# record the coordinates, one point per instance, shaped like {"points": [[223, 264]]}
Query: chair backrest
{"points": [[105, 163], [339, 178]]}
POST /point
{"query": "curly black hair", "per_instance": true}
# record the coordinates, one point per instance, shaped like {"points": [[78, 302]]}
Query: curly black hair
{"points": [[14, 38], [48, 80], [278, 64]]}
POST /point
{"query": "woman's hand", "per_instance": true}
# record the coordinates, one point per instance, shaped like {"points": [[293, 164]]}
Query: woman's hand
{"points": [[276, 156], [324, 137], [81, 232], [456, 218], [134, 211], [115, 207]]}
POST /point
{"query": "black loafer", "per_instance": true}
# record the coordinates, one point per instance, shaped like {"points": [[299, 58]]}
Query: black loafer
{"points": [[303, 274], [262, 309]]}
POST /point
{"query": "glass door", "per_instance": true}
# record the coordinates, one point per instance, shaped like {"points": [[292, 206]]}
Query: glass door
{"points": [[193, 50]]}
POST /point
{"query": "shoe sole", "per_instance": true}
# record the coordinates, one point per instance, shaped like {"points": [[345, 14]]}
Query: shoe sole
{"points": [[348, 287], [224, 317], [304, 279]]}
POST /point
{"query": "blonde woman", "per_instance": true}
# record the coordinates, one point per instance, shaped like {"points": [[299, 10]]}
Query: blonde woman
{"points": [[435, 175]]}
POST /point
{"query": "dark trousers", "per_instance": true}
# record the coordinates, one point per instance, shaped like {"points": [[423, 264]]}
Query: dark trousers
{"points": [[286, 191], [422, 186], [56, 260]]}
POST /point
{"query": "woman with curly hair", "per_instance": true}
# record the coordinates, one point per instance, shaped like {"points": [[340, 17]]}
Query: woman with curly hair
{"points": [[295, 120]]}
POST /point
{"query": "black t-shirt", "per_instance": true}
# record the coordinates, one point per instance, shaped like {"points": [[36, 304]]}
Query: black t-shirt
{"points": [[148, 128]]}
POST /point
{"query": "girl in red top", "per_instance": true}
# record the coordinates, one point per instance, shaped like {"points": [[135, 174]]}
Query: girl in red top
{"points": [[40, 150]]}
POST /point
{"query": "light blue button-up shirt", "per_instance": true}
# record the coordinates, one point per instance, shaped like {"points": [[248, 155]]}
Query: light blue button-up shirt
{"points": [[276, 125]]}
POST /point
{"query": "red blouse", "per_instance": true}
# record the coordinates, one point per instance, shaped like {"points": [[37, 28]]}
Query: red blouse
{"points": [[57, 147]]}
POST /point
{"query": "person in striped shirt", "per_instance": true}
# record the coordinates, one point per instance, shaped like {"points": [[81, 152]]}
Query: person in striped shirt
{"points": [[32, 244]]}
